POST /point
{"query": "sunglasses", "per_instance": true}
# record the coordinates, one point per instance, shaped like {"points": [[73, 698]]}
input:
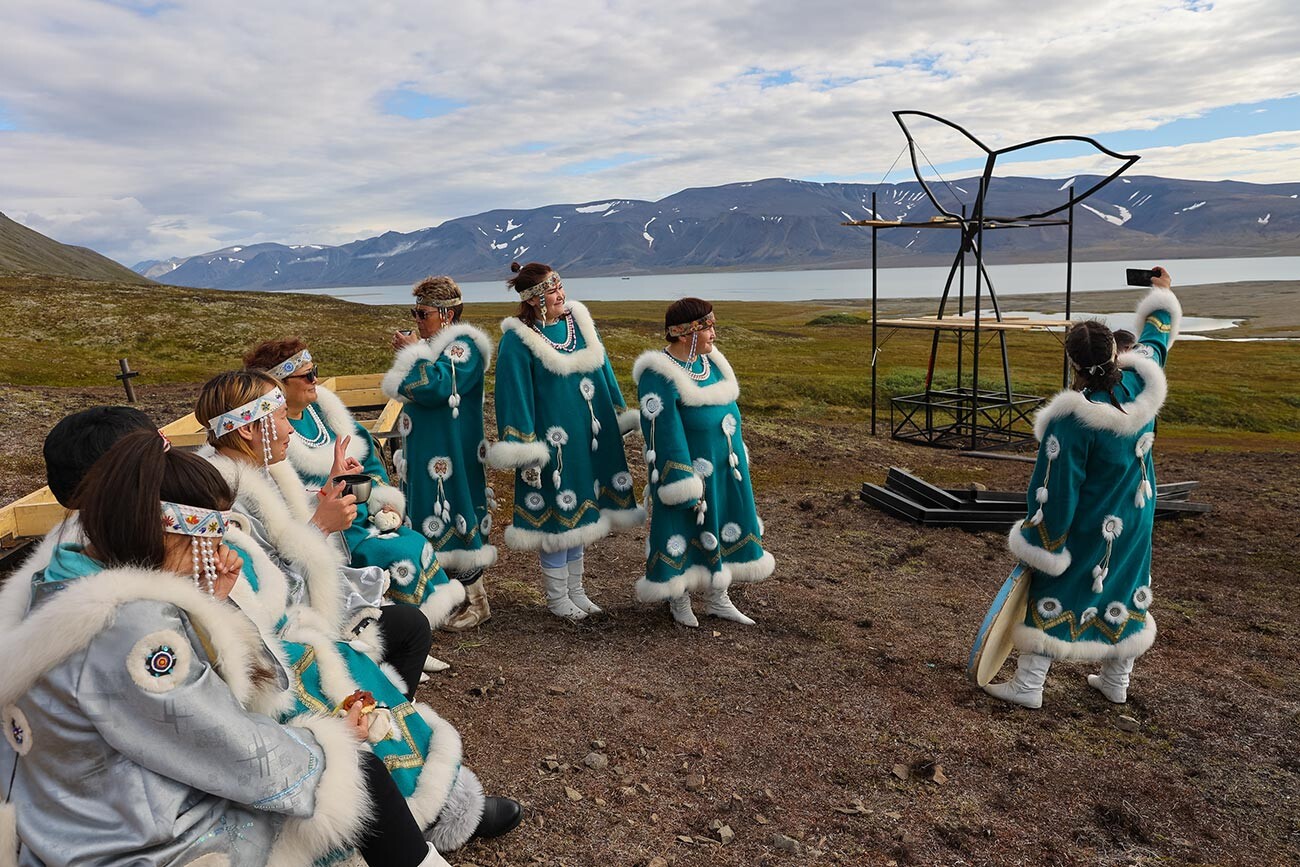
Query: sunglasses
{"points": [[422, 315], [311, 375]]}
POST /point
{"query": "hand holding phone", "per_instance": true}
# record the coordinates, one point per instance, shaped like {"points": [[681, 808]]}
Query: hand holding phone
{"points": [[1139, 276]]}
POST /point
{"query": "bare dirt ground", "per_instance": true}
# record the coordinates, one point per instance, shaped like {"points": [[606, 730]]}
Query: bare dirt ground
{"points": [[841, 728]]}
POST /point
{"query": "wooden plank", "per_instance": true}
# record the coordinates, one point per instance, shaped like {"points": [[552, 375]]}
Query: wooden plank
{"points": [[386, 425], [355, 381], [183, 425], [37, 519], [363, 398], [16, 521]]}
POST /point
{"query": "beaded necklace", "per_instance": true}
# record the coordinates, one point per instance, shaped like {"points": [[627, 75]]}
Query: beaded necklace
{"points": [[686, 366], [569, 344], [322, 433]]}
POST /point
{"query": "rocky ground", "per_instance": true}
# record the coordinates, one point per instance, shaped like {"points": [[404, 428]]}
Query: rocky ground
{"points": [[841, 729]]}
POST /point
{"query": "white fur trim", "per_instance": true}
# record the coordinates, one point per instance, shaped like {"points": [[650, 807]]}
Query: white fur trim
{"points": [[441, 764], [590, 357], [463, 561], [8, 835], [690, 392], [1159, 299], [71, 619], [1030, 640], [343, 806], [624, 519], [1035, 557], [696, 579], [429, 350], [397, 680], [16, 590], [272, 596], [1103, 416], [753, 570], [460, 814], [522, 539], [686, 490], [629, 421], [511, 455], [181, 659], [387, 495], [444, 600], [319, 460], [294, 539]]}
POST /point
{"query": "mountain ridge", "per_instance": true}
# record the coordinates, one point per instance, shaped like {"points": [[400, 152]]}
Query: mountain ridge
{"points": [[27, 251]]}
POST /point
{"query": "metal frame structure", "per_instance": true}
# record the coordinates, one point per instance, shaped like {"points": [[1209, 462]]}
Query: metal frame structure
{"points": [[972, 417]]}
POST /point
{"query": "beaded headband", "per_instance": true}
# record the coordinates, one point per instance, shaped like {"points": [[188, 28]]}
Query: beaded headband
{"points": [[289, 366], [441, 303], [552, 281], [705, 321], [205, 529], [254, 410]]}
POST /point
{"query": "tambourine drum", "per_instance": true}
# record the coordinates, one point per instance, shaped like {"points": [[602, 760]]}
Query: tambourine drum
{"points": [[993, 642]]}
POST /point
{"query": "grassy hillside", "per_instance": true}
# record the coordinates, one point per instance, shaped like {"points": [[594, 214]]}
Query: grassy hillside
{"points": [[805, 359], [23, 250]]}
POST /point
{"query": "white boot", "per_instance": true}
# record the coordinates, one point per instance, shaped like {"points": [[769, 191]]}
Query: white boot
{"points": [[1113, 680], [433, 664], [556, 583], [680, 606], [720, 605], [433, 859], [1026, 688], [577, 595]]}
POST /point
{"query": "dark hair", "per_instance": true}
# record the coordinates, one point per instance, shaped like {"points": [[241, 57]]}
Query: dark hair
{"points": [[119, 498], [269, 353], [1124, 340], [685, 310], [79, 440], [526, 277], [1091, 349]]}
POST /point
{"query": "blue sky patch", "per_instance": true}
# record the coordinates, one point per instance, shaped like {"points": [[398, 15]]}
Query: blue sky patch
{"points": [[412, 104]]}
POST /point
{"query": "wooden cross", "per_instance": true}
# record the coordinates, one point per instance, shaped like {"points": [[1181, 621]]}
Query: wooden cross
{"points": [[126, 375]]}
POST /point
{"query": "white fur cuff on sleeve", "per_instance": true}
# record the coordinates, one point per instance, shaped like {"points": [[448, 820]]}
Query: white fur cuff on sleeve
{"points": [[1159, 299], [1036, 558], [682, 491], [510, 456], [629, 421]]}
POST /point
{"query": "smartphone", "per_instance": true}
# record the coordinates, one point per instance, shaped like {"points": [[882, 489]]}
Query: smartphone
{"points": [[1139, 276]]}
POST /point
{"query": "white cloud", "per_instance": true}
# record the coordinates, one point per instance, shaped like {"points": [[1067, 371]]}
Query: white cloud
{"points": [[187, 126]]}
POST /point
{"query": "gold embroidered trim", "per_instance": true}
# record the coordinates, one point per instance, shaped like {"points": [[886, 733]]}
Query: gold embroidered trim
{"points": [[411, 758], [519, 435], [728, 551], [407, 388], [674, 465], [1112, 633], [1160, 326], [1048, 543], [570, 523], [679, 564], [416, 595], [625, 501]]}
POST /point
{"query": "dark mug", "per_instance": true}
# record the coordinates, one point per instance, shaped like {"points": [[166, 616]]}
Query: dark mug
{"points": [[357, 484]]}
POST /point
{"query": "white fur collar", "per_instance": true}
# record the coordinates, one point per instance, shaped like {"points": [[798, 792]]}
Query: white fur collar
{"points": [[294, 539], [16, 591], [725, 390], [1103, 416], [429, 350], [590, 357], [1159, 299], [71, 618], [319, 460]]}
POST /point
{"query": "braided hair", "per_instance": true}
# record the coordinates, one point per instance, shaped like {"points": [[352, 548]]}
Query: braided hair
{"points": [[1090, 346]]}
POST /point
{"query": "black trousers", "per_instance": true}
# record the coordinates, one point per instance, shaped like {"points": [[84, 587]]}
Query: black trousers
{"points": [[393, 838], [407, 639]]}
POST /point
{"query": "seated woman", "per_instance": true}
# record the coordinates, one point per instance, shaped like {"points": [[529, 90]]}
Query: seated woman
{"points": [[705, 533], [376, 536], [136, 699], [290, 581], [1091, 504]]}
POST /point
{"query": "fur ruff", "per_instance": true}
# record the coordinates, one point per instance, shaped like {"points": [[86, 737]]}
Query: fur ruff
{"points": [[1159, 299], [689, 392], [752, 571], [591, 357], [1102, 416], [624, 519], [394, 678], [72, 618], [430, 350], [1030, 640], [696, 579], [686, 490], [343, 805], [512, 456], [464, 561], [264, 609], [441, 764], [460, 815], [1036, 558], [297, 541], [445, 599], [628, 421], [318, 460], [16, 590]]}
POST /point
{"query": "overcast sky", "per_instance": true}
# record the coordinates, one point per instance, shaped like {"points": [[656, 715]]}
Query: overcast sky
{"points": [[150, 128]]}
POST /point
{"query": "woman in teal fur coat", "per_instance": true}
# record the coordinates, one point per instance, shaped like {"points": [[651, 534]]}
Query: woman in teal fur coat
{"points": [[1091, 505]]}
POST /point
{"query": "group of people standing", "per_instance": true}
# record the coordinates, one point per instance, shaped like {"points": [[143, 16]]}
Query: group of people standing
{"points": [[213, 660]]}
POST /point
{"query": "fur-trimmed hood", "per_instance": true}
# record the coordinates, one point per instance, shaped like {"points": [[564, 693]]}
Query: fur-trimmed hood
{"points": [[1136, 414], [294, 539], [70, 619], [691, 393], [590, 357], [429, 350]]}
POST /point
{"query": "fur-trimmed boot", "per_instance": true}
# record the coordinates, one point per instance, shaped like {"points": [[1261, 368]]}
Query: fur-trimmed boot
{"points": [[556, 583], [680, 606], [720, 605], [1026, 688], [476, 610], [577, 595], [1113, 680]]}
